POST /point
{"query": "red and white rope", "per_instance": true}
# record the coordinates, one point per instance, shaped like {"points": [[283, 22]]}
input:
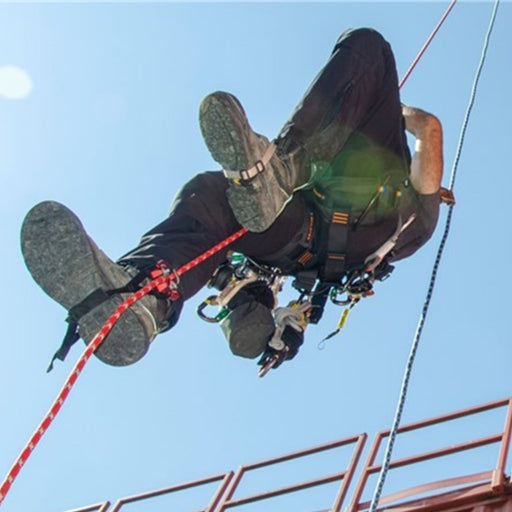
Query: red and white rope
{"points": [[427, 43], [93, 345]]}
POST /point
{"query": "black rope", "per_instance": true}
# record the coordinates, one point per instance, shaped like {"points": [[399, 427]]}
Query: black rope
{"points": [[421, 322]]}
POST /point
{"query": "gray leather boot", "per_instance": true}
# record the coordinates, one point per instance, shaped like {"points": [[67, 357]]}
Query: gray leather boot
{"points": [[249, 326], [261, 180], [71, 269]]}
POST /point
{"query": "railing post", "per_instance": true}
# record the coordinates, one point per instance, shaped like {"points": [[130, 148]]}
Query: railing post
{"points": [[498, 480], [220, 492], [353, 507], [232, 488], [350, 473]]}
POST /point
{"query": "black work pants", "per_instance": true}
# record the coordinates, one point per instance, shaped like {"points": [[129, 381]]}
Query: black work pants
{"points": [[357, 91]]}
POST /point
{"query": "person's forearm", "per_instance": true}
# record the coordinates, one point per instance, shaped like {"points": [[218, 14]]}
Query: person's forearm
{"points": [[427, 161]]}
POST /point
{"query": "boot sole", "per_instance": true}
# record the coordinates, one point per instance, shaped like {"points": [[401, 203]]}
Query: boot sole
{"points": [[67, 265], [228, 136], [225, 132]]}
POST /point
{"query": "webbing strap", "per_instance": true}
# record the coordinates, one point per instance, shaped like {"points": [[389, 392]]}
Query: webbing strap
{"points": [[92, 301], [257, 168], [69, 340], [337, 240]]}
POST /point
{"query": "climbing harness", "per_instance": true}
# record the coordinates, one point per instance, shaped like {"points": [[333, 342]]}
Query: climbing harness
{"points": [[318, 279]]}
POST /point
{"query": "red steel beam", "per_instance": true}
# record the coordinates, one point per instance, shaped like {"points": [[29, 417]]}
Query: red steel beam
{"points": [[478, 498], [449, 482]]}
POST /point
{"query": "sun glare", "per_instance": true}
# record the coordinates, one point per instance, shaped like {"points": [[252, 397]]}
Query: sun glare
{"points": [[15, 83]]}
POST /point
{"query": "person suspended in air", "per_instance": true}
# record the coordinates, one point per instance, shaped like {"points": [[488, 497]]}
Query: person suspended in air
{"points": [[333, 200]]}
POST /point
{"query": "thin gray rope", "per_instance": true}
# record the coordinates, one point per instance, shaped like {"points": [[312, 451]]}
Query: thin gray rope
{"points": [[407, 374]]}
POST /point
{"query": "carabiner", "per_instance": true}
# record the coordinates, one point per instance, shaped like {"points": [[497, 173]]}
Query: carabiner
{"points": [[211, 301], [334, 294]]}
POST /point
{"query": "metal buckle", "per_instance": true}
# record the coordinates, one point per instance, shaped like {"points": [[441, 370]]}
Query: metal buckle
{"points": [[249, 174]]}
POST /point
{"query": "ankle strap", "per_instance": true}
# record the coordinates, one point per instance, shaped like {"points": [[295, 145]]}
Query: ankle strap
{"points": [[257, 168]]}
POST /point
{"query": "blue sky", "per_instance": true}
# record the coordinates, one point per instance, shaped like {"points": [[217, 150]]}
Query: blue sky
{"points": [[109, 128]]}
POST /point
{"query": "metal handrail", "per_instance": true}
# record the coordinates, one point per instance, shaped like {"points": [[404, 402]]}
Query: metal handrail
{"points": [[345, 477], [224, 479], [496, 477], [487, 485], [98, 507]]}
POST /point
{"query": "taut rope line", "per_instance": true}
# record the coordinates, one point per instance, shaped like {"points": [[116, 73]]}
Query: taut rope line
{"points": [[408, 369], [427, 43]]}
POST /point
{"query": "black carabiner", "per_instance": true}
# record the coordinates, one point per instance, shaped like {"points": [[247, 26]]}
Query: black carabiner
{"points": [[208, 302]]}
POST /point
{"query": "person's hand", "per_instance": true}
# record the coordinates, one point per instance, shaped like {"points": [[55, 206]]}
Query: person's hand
{"points": [[291, 339]]}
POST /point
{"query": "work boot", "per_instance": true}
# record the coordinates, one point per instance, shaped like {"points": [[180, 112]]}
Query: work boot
{"points": [[69, 267], [261, 180], [249, 325]]}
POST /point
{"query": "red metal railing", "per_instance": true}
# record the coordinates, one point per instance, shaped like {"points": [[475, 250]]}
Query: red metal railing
{"points": [[99, 507], [223, 495], [478, 487], [496, 477], [344, 476], [223, 478]]}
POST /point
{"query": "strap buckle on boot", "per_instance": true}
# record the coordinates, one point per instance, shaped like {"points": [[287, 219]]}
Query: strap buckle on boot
{"points": [[246, 175]]}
